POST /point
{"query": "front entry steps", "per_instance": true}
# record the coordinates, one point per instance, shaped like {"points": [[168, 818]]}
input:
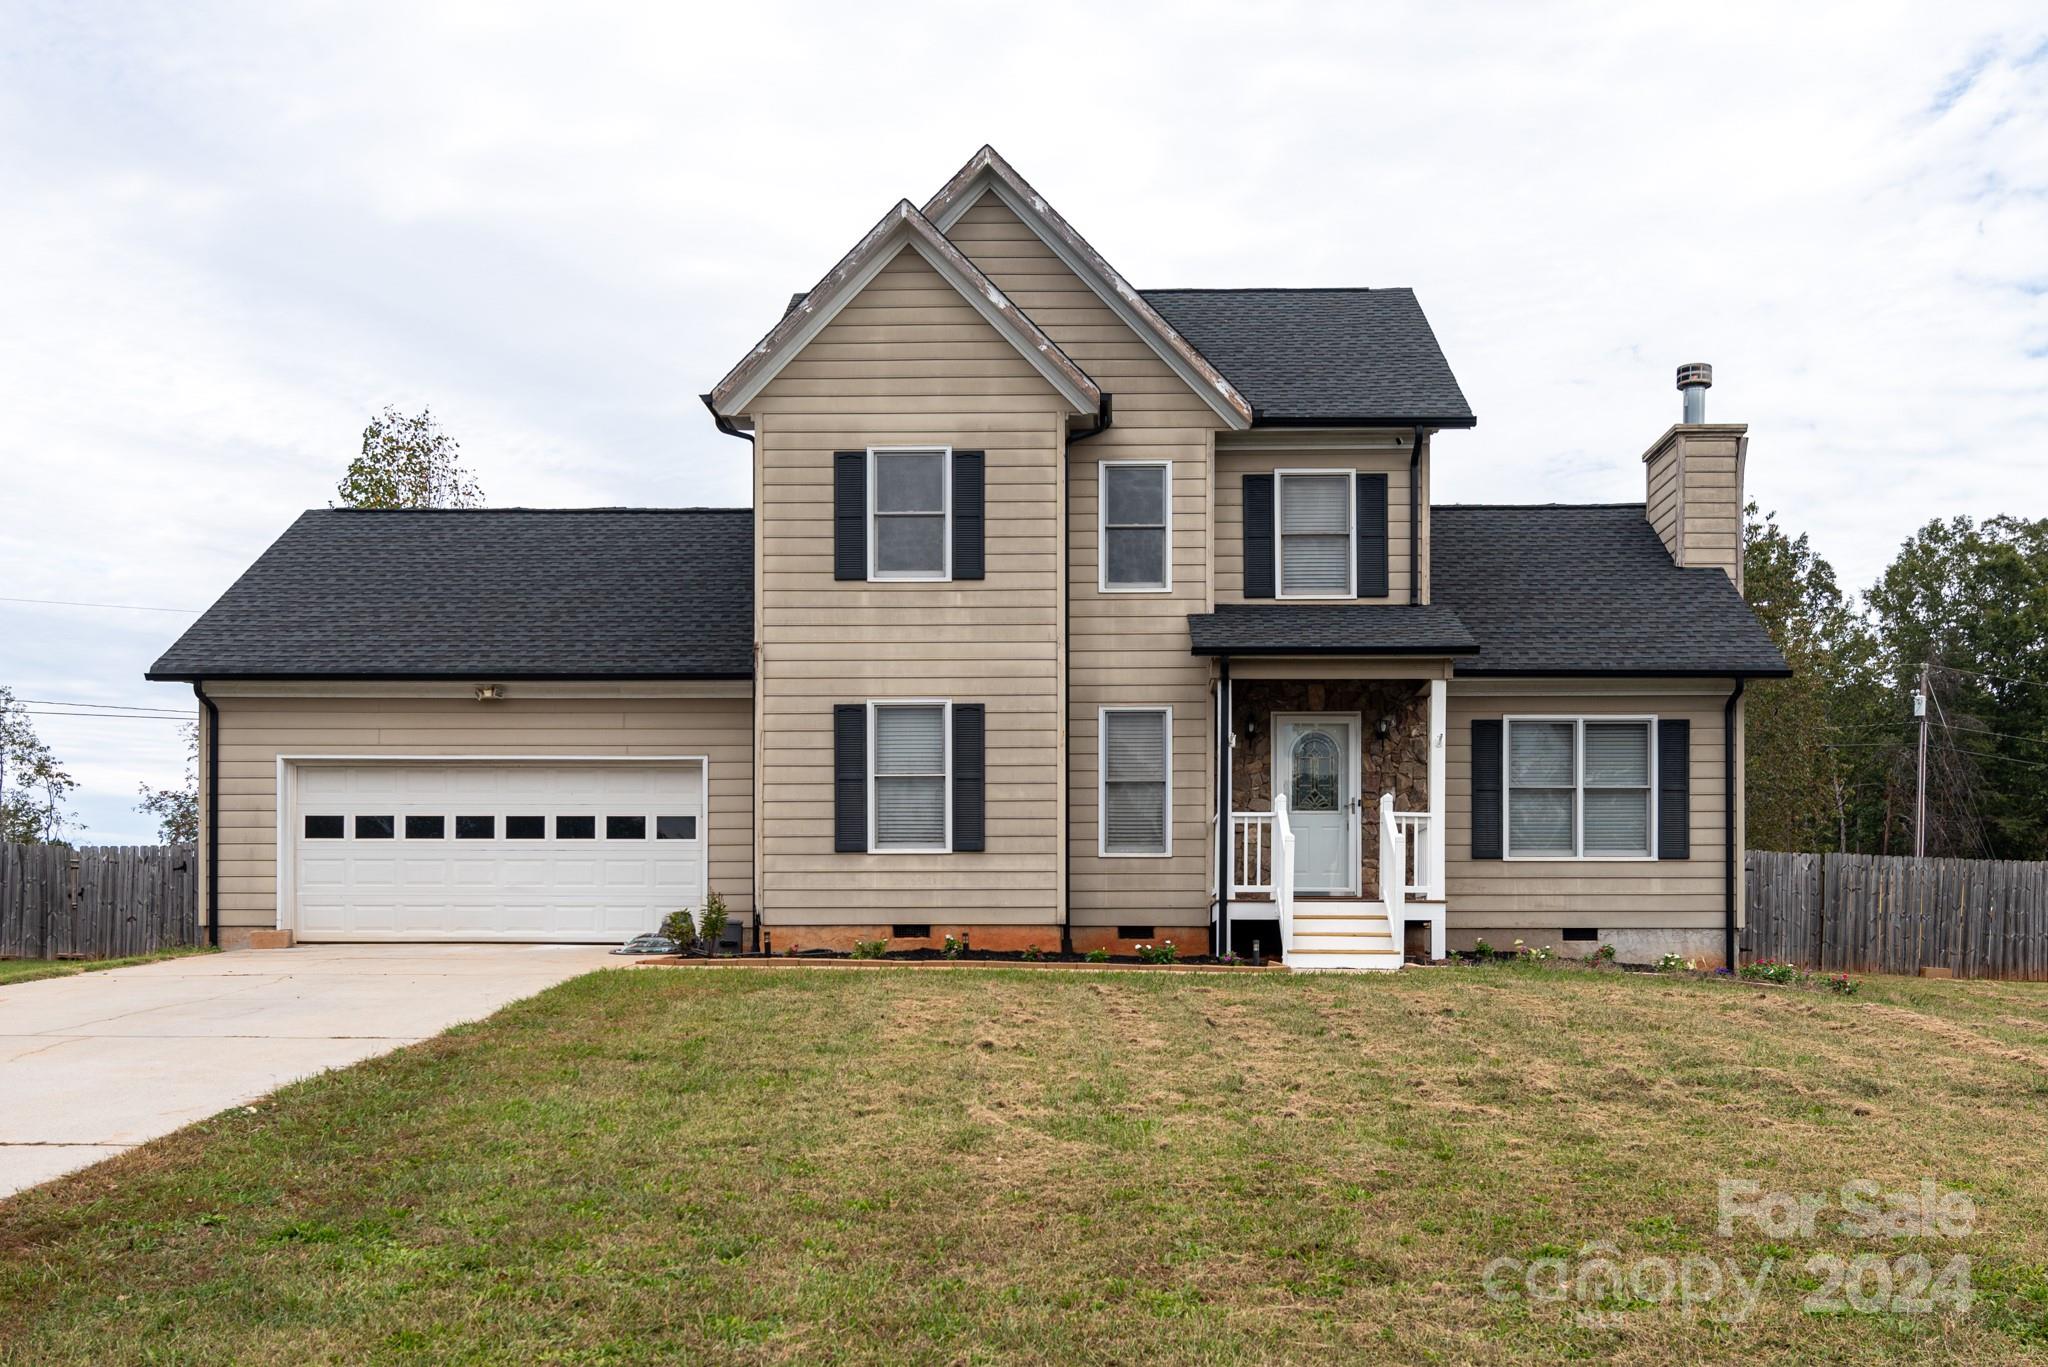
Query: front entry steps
{"points": [[1332, 935]]}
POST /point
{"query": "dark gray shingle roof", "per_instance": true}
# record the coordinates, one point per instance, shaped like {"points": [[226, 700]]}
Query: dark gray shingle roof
{"points": [[1563, 589], [502, 593], [1329, 629], [1322, 355]]}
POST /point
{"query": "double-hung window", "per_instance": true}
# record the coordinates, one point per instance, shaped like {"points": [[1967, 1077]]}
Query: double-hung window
{"points": [[1315, 515], [1137, 541], [910, 509], [1580, 788], [911, 777], [1136, 765]]}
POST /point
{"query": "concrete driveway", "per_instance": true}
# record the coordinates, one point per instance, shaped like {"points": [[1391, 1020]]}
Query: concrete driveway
{"points": [[96, 1063]]}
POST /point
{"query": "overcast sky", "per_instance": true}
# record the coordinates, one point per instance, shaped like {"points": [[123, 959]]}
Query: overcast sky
{"points": [[231, 233]]}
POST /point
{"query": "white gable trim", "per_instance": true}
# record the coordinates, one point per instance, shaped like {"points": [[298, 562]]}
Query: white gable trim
{"points": [[1111, 288], [902, 227]]}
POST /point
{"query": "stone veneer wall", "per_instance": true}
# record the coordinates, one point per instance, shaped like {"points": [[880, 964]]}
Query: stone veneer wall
{"points": [[1396, 763]]}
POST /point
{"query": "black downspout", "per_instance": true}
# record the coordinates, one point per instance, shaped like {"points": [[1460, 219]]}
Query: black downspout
{"points": [[210, 814], [725, 425], [1225, 835], [1415, 519], [1728, 815], [1104, 416]]}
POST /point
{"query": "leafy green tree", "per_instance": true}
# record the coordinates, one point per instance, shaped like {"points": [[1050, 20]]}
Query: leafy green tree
{"points": [[34, 787], [408, 462], [1798, 746], [177, 809], [1969, 602]]}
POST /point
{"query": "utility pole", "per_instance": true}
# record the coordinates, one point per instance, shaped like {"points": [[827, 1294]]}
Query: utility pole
{"points": [[1920, 794]]}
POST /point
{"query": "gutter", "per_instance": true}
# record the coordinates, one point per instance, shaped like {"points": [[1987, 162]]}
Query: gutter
{"points": [[1415, 518], [1104, 416], [1728, 817], [209, 812], [723, 423]]}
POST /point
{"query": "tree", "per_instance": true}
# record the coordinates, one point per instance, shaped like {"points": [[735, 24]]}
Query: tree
{"points": [[33, 786], [407, 463], [1969, 603], [177, 809], [1802, 733]]}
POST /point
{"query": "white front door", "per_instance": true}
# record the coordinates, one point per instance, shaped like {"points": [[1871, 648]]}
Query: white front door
{"points": [[1315, 763]]}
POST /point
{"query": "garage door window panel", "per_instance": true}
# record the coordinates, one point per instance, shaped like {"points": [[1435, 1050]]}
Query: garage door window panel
{"points": [[476, 828], [526, 828], [625, 828], [675, 828], [575, 828], [324, 827], [426, 828]]}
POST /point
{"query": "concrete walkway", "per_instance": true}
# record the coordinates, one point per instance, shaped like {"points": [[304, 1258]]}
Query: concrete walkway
{"points": [[96, 1063]]}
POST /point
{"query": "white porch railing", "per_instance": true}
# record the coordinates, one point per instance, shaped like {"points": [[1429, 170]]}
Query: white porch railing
{"points": [[1251, 852], [1283, 872], [1395, 837], [1419, 873]]}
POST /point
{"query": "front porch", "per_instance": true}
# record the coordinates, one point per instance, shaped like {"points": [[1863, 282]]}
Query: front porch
{"points": [[1335, 839]]}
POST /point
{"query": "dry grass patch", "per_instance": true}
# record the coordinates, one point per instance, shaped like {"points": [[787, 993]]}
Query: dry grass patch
{"points": [[993, 1166]]}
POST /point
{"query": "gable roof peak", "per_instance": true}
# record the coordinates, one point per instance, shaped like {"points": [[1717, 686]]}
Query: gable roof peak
{"points": [[987, 171], [902, 228]]}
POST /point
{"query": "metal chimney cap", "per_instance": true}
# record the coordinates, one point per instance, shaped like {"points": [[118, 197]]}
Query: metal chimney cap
{"points": [[1696, 373]]}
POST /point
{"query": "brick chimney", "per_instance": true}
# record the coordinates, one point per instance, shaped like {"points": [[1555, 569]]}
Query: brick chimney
{"points": [[1693, 475]]}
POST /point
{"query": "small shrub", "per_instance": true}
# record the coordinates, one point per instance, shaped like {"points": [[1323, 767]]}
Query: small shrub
{"points": [[1031, 954], [1097, 955], [1843, 985], [1161, 953], [1542, 954], [1482, 949], [1604, 954], [1673, 963], [1232, 960], [678, 926], [870, 949], [953, 948], [711, 921], [1770, 971]]}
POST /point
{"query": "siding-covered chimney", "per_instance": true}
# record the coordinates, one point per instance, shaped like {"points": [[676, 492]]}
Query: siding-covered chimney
{"points": [[1694, 482]]}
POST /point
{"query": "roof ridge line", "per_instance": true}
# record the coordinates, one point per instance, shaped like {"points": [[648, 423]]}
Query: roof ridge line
{"points": [[520, 508], [1638, 503], [1277, 289]]}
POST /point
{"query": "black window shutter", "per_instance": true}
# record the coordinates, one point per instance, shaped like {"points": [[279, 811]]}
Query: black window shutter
{"points": [[1486, 792], [1258, 536], [1674, 788], [1372, 535], [970, 519], [850, 516], [970, 776], [850, 778]]}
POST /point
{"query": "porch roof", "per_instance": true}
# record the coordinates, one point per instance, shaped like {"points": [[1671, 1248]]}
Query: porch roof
{"points": [[1330, 629]]}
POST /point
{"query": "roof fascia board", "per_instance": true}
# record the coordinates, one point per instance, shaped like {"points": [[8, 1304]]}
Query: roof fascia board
{"points": [[903, 226], [988, 173]]}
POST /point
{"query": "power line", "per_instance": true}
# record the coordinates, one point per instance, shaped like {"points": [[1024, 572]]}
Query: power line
{"points": [[2002, 735], [103, 716], [118, 607], [113, 706], [2000, 678]]}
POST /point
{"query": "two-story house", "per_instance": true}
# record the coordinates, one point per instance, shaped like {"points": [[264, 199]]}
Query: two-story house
{"points": [[1067, 615]]}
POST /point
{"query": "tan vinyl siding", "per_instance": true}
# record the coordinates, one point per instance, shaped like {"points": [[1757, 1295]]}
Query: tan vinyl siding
{"points": [[1662, 508], [1125, 647], [1713, 504], [254, 731], [1603, 894], [1258, 452], [909, 362]]}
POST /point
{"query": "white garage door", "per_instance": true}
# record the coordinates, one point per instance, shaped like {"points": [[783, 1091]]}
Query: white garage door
{"points": [[503, 850]]}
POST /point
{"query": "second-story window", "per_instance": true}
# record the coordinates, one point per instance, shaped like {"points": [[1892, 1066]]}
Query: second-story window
{"points": [[1137, 542], [910, 507], [1315, 520]]}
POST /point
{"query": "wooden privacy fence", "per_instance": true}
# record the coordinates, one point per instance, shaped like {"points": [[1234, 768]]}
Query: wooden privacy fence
{"points": [[1862, 913], [100, 902]]}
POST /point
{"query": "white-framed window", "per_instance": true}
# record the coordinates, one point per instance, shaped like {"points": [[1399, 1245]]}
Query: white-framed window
{"points": [[1136, 523], [1580, 787], [1135, 785], [910, 777], [1315, 516], [910, 512]]}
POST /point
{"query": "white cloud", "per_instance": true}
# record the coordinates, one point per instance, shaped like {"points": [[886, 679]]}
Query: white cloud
{"points": [[235, 231]]}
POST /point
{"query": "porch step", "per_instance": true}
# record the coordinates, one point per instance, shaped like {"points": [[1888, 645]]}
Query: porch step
{"points": [[1322, 960], [1343, 935]]}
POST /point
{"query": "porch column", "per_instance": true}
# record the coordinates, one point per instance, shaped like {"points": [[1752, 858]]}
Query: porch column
{"points": [[1438, 817]]}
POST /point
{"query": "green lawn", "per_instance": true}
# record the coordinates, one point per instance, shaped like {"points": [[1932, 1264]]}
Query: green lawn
{"points": [[980, 1166], [28, 970]]}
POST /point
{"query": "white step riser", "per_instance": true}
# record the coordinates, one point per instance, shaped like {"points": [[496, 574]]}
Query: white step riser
{"points": [[1319, 963], [1361, 944]]}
